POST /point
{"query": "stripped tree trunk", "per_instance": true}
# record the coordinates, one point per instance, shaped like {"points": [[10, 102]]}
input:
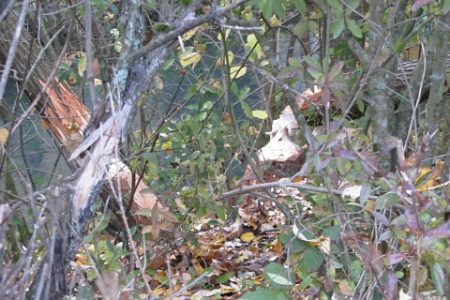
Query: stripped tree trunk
{"points": [[62, 111], [66, 116]]}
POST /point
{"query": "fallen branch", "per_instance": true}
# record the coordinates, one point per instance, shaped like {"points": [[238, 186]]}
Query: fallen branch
{"points": [[282, 184]]}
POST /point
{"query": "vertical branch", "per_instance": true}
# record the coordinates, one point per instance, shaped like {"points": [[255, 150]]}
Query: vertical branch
{"points": [[381, 106], [89, 54], [435, 105], [13, 48]]}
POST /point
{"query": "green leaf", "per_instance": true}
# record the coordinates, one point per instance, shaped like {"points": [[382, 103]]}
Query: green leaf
{"points": [[220, 212], [243, 93], [247, 110], [312, 259], [312, 62], [301, 6], [168, 64], [334, 233], [354, 28], [265, 294], [360, 105], [445, 6], [336, 27], [438, 278], [336, 69], [224, 277], [277, 273], [387, 200], [298, 246], [353, 4], [399, 46], [336, 5], [356, 269]]}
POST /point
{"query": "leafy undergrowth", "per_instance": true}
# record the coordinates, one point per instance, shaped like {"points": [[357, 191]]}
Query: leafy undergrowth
{"points": [[223, 261], [311, 225]]}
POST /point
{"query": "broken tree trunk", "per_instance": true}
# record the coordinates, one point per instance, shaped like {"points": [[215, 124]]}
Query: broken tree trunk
{"points": [[64, 113]]}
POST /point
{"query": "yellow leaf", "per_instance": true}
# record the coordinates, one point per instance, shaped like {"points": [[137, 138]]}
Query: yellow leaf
{"points": [[167, 146], [423, 172], [260, 114], [258, 279], [274, 21], [230, 56], [237, 71], [252, 130], [227, 34], [97, 82], [188, 35], [117, 46], [427, 185], [159, 83], [189, 58], [247, 237], [82, 64], [252, 43], [370, 206], [4, 135], [157, 292]]}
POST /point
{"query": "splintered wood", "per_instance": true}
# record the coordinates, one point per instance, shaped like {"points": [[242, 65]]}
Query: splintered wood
{"points": [[282, 157], [66, 117]]}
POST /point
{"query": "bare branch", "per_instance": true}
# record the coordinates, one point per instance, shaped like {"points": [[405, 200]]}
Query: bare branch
{"points": [[13, 48], [214, 14], [281, 184]]}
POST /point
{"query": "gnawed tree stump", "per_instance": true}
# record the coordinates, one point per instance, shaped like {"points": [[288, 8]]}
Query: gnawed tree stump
{"points": [[66, 116]]}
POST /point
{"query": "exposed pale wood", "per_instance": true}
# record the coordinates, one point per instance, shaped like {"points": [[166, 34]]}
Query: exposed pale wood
{"points": [[66, 116]]}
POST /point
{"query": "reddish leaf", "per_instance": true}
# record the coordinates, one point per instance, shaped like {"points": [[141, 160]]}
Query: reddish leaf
{"points": [[380, 217], [395, 258], [442, 231], [391, 286], [411, 222]]}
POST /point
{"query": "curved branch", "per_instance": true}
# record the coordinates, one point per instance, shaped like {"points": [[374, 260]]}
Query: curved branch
{"points": [[214, 14]]}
